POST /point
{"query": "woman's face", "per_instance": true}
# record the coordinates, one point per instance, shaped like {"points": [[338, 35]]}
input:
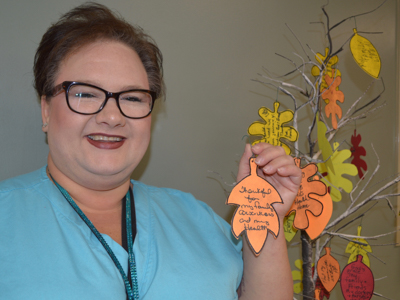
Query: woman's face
{"points": [[97, 151]]}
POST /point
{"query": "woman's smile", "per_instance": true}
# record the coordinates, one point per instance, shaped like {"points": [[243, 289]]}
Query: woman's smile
{"points": [[107, 142]]}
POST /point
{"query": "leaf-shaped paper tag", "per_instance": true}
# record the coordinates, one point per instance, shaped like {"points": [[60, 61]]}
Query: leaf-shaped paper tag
{"points": [[315, 71], [272, 130], [255, 215], [357, 281], [308, 196], [332, 94], [356, 249], [328, 270], [365, 54], [356, 152], [318, 223], [288, 228]]}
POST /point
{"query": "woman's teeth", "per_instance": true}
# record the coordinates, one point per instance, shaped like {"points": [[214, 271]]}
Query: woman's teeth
{"points": [[104, 138]]}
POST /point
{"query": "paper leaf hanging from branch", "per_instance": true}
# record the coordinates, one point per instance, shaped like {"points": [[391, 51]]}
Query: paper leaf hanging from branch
{"points": [[288, 228], [333, 176], [318, 223], [365, 54], [273, 131], [308, 198], [328, 270], [320, 291], [315, 71], [255, 215], [357, 281], [356, 249], [356, 152], [331, 95]]}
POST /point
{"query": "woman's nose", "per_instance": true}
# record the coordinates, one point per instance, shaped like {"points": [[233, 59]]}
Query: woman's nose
{"points": [[110, 114]]}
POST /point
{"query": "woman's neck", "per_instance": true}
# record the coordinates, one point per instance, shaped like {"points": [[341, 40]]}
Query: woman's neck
{"points": [[102, 207]]}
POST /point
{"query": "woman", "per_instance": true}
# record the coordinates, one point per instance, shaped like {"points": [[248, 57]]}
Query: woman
{"points": [[79, 228]]}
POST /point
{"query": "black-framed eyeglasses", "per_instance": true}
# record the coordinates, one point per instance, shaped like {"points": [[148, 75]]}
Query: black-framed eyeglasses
{"points": [[87, 99]]}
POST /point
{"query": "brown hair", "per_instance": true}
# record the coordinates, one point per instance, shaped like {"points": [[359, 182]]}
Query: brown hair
{"points": [[86, 24]]}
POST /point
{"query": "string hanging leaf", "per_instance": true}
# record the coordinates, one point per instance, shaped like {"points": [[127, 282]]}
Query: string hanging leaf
{"points": [[365, 54], [315, 71], [308, 198], [328, 270], [356, 152], [332, 94], [357, 249], [335, 167], [272, 130]]}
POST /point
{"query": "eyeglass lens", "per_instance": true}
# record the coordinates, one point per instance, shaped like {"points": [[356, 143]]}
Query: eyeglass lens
{"points": [[88, 100]]}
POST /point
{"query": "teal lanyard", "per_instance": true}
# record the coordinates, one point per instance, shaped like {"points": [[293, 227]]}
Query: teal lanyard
{"points": [[132, 290]]}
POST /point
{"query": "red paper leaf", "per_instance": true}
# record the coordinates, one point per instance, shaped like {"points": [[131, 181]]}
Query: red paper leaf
{"points": [[357, 281], [356, 152]]}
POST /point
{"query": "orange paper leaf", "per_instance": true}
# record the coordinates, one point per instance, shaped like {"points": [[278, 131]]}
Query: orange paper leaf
{"points": [[318, 223], [309, 196], [328, 270], [255, 215], [333, 94]]}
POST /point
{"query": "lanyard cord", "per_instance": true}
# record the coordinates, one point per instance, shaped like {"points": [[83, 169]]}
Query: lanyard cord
{"points": [[131, 288]]}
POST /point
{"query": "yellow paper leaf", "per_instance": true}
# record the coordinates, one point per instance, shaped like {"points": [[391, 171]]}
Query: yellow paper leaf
{"points": [[272, 130], [298, 276], [288, 228], [365, 55], [334, 168], [356, 249], [315, 71]]}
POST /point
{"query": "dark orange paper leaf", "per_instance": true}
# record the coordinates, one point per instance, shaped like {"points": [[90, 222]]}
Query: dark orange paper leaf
{"points": [[332, 94], [308, 198], [318, 223], [255, 215], [320, 291], [328, 270]]}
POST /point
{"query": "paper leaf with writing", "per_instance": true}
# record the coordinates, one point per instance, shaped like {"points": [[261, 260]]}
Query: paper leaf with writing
{"points": [[356, 152], [365, 55], [308, 196], [320, 291], [328, 270], [356, 249], [334, 179], [273, 130], [298, 276], [357, 281], [315, 71], [288, 228], [318, 223], [255, 215], [332, 94]]}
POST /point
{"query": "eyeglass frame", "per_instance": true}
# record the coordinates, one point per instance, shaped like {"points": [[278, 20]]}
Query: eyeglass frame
{"points": [[66, 85]]}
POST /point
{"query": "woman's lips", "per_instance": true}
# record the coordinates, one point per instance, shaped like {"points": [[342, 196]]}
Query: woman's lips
{"points": [[103, 141]]}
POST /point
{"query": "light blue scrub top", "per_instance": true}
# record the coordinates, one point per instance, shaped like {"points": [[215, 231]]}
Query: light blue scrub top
{"points": [[183, 249]]}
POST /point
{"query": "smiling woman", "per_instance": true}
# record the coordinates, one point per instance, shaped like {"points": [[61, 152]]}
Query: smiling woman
{"points": [[80, 228]]}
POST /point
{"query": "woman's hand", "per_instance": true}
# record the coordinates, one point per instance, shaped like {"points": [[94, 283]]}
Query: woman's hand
{"points": [[277, 168]]}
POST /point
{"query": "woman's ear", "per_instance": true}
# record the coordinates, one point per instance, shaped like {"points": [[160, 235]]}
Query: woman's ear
{"points": [[45, 105]]}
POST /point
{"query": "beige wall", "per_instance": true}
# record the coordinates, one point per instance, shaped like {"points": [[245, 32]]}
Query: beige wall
{"points": [[212, 50]]}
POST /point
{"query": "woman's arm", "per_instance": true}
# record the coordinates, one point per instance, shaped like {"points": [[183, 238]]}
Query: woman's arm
{"points": [[268, 275]]}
